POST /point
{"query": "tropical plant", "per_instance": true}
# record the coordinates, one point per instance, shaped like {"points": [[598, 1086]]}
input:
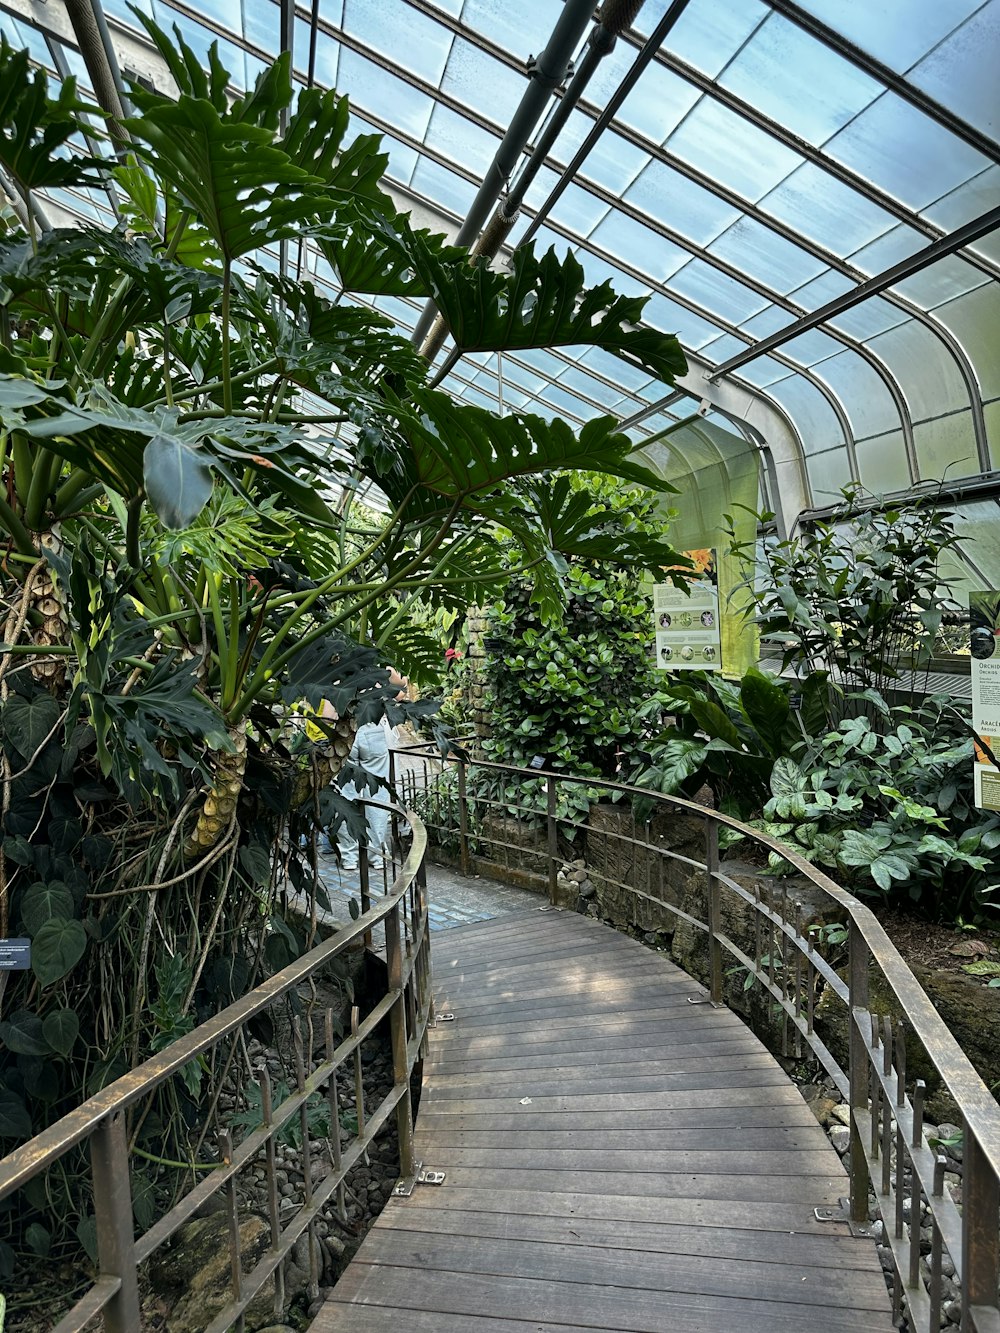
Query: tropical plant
{"points": [[190, 444], [728, 735], [859, 596], [571, 693]]}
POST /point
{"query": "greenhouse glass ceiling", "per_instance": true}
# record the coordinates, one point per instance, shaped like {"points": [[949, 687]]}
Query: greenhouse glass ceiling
{"points": [[808, 192]]}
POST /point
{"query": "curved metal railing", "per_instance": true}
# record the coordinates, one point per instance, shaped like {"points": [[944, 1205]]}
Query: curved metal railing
{"points": [[888, 1141], [102, 1122]]}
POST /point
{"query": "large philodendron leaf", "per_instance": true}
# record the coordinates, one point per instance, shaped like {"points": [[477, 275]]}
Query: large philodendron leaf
{"points": [[459, 450], [245, 191], [371, 252], [541, 303], [35, 129]]}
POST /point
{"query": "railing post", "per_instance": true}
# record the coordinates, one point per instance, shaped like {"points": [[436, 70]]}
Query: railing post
{"points": [[857, 1000], [714, 909], [463, 818], [980, 1208], [397, 1029], [113, 1215], [553, 835]]}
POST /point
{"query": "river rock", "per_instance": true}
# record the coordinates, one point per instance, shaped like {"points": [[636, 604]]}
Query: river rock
{"points": [[196, 1266]]}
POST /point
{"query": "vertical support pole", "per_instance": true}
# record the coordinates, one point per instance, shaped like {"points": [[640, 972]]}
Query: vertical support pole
{"points": [[113, 1215], [463, 818], [714, 909], [857, 1006], [553, 835], [397, 1029], [980, 1209]]}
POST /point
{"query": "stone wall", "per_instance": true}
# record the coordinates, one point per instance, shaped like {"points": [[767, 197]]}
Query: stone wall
{"points": [[475, 681]]}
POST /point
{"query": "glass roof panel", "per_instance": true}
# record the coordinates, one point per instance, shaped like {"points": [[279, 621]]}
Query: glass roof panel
{"points": [[374, 89], [767, 322], [812, 347], [866, 399], [482, 83], [828, 474], [670, 317], [261, 21], [946, 448], [826, 211], [969, 200], [942, 281], [579, 210], [797, 82], [908, 154], [462, 141], [889, 248], [612, 162], [514, 25], [658, 103], [425, 41], [446, 188], [880, 29], [827, 287], [762, 254], [707, 35], [731, 151], [716, 292], [871, 317], [882, 465], [974, 318], [680, 203], [327, 57], [967, 86], [637, 245], [932, 383], [812, 413]]}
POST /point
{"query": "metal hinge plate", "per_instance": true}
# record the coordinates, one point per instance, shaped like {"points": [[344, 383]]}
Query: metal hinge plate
{"points": [[842, 1213], [441, 1018], [422, 1176]]}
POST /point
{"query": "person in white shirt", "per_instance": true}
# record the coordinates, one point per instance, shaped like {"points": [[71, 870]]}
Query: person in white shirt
{"points": [[371, 752]]}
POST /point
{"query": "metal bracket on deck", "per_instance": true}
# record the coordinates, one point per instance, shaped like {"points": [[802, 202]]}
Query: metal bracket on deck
{"points": [[550, 907], [441, 1018], [422, 1176], [702, 999], [842, 1213]]}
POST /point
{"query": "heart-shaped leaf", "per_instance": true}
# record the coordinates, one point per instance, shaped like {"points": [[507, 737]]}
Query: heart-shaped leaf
{"points": [[23, 1034], [61, 1029], [45, 902], [26, 722], [56, 949]]}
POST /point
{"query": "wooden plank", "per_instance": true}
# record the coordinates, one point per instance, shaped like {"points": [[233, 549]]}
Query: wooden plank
{"points": [[713, 1091], [584, 1140], [602, 1265], [686, 1054], [729, 1158], [615, 1308], [522, 1121], [782, 1216], [617, 1158], [442, 1211], [814, 1190]]}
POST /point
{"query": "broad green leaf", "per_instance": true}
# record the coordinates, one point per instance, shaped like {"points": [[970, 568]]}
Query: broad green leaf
{"points": [[23, 1034], [715, 721], [766, 705], [38, 1239], [15, 1122], [61, 1029], [541, 303], [982, 967], [26, 722], [56, 949], [787, 778], [35, 129], [862, 847], [178, 480], [42, 902]]}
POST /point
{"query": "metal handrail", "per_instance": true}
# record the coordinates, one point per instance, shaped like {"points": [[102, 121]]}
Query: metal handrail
{"points": [[101, 1120], [886, 1118]]}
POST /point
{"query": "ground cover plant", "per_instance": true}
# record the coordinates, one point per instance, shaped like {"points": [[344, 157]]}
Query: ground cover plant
{"points": [[179, 570]]}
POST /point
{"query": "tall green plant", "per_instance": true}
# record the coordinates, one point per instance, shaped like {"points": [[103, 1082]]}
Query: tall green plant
{"points": [[184, 435]]}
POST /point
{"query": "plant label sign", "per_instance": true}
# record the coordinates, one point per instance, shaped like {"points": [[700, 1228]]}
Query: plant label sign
{"points": [[686, 621], [15, 955], [984, 645]]}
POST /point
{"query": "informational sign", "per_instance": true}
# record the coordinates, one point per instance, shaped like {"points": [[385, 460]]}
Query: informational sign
{"points": [[15, 955], [686, 623], [984, 645]]}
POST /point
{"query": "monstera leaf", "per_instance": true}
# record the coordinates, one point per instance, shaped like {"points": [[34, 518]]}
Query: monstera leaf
{"points": [[35, 128], [541, 303], [458, 450]]}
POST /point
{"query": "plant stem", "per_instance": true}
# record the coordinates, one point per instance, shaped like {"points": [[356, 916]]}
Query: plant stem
{"points": [[227, 384], [22, 537]]}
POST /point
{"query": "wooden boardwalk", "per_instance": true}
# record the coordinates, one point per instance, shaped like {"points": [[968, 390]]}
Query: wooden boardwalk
{"points": [[616, 1158]]}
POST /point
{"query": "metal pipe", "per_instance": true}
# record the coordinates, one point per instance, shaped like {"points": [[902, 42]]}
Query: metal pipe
{"points": [[546, 73], [98, 53]]}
